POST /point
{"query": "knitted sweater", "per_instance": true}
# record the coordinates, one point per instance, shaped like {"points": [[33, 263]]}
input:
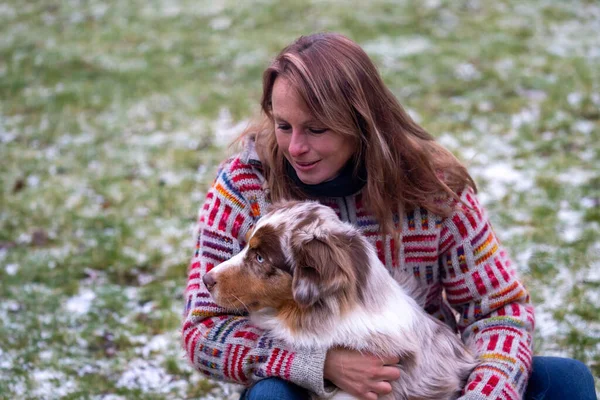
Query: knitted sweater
{"points": [[459, 255]]}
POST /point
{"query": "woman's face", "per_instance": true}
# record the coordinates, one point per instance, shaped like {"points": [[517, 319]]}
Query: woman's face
{"points": [[316, 153]]}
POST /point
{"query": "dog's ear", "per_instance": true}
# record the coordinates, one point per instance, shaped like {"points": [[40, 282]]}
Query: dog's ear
{"points": [[320, 268]]}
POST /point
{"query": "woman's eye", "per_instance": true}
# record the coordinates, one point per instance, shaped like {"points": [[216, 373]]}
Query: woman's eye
{"points": [[318, 131], [259, 258], [283, 127]]}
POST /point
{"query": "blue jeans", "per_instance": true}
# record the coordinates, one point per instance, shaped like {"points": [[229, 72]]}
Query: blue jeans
{"points": [[553, 378]]}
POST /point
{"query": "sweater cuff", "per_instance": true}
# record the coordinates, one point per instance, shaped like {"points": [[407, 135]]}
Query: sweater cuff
{"points": [[307, 371]]}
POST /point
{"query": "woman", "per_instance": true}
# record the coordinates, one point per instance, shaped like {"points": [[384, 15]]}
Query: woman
{"points": [[333, 132]]}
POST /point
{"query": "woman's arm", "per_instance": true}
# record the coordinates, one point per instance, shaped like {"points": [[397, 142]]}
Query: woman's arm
{"points": [[496, 314], [219, 343]]}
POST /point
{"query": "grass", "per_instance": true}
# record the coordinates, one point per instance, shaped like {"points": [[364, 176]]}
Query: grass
{"points": [[113, 118]]}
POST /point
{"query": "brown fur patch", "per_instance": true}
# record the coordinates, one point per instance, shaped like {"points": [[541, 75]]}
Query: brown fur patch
{"points": [[263, 279], [268, 245], [331, 270]]}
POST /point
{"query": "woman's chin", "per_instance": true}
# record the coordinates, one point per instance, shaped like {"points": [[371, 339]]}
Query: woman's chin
{"points": [[309, 180]]}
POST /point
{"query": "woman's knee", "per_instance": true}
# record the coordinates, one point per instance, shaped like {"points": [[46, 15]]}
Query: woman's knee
{"points": [[556, 377], [275, 389], [560, 367]]}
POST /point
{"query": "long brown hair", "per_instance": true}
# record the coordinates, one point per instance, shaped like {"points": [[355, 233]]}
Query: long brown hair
{"points": [[342, 88]]}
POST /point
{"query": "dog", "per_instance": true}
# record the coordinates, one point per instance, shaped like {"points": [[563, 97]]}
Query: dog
{"points": [[314, 281]]}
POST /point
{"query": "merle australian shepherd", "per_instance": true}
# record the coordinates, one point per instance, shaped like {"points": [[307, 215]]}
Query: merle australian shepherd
{"points": [[314, 281]]}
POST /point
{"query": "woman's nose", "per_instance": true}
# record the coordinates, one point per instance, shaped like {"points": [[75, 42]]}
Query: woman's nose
{"points": [[298, 144]]}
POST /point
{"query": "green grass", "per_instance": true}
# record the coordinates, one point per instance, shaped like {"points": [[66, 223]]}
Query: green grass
{"points": [[110, 125]]}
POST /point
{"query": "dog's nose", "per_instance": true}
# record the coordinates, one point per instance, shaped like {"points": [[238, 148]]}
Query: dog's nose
{"points": [[209, 281]]}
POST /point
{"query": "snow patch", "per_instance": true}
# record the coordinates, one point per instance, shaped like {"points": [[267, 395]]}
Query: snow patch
{"points": [[81, 303], [225, 131], [145, 376]]}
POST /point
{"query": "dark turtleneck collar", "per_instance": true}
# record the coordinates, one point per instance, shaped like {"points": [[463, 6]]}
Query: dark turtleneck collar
{"points": [[345, 184]]}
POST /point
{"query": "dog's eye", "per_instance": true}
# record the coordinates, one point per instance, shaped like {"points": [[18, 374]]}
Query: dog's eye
{"points": [[259, 258]]}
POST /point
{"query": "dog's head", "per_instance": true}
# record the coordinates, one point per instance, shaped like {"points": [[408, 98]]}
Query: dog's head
{"points": [[299, 254]]}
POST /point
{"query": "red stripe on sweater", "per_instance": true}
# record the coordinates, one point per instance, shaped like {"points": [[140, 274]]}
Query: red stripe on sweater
{"points": [[490, 385], [481, 289], [240, 364], [234, 360], [525, 352], [187, 337], [246, 335], [508, 341], [471, 220], [475, 382], [418, 238], [207, 323], [474, 204], [279, 363], [501, 269], [272, 361], [243, 176], [447, 244], [455, 283], [195, 275], [516, 310], [237, 224], [457, 292], [192, 286], [288, 366], [224, 218], [213, 212], [524, 360], [421, 259], [226, 368], [460, 226], [193, 345], [248, 187], [491, 276], [492, 343]]}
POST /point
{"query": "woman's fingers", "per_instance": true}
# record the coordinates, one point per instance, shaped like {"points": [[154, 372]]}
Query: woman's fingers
{"points": [[388, 373], [361, 375], [383, 388], [392, 360]]}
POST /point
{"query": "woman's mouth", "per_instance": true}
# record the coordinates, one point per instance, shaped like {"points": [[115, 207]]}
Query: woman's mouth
{"points": [[305, 166]]}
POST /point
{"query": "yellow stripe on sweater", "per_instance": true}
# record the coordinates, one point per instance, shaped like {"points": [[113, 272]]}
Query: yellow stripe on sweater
{"points": [[229, 196]]}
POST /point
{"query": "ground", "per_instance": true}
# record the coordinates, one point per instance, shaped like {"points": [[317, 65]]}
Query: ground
{"points": [[114, 115]]}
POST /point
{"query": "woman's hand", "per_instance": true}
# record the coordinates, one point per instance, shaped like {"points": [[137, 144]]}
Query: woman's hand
{"points": [[362, 375]]}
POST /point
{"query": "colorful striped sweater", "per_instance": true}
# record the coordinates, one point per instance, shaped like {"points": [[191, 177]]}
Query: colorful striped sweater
{"points": [[459, 255]]}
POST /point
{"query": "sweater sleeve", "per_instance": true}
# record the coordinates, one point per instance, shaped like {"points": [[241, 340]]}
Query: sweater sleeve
{"points": [[220, 343], [496, 314]]}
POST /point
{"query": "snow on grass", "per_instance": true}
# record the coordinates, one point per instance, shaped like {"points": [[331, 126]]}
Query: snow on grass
{"points": [[51, 384], [146, 376], [391, 49], [225, 130], [81, 303]]}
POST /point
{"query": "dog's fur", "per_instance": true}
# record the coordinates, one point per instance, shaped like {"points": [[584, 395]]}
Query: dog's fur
{"points": [[315, 281]]}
